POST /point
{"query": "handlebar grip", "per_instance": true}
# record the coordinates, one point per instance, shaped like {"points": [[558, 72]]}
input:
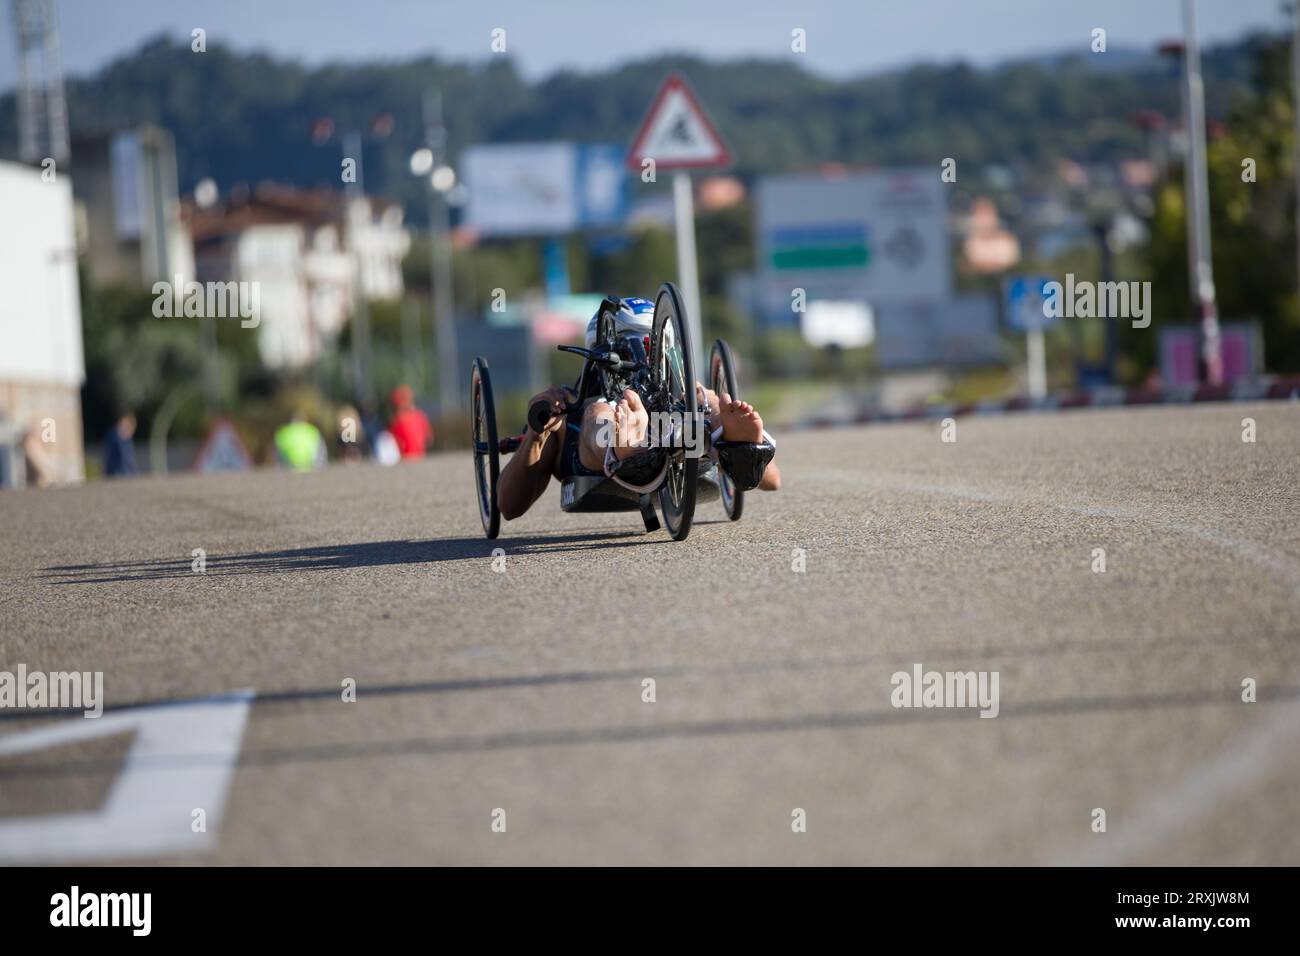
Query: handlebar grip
{"points": [[539, 414]]}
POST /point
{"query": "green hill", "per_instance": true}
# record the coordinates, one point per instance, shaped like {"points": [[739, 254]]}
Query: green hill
{"points": [[246, 117]]}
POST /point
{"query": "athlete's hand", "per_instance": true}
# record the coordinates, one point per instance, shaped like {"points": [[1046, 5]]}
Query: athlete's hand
{"points": [[558, 397]]}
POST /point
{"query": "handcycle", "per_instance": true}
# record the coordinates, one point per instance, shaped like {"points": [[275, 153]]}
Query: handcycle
{"points": [[661, 368]]}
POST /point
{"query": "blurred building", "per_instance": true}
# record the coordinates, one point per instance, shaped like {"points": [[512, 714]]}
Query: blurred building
{"points": [[988, 248], [41, 362], [311, 253], [719, 192], [125, 186]]}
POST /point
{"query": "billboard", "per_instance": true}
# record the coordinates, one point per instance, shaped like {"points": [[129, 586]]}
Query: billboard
{"points": [[529, 189], [879, 239], [871, 237]]}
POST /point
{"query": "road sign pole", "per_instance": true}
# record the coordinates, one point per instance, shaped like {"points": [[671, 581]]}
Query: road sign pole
{"points": [[688, 273], [1036, 353], [677, 135], [442, 300]]}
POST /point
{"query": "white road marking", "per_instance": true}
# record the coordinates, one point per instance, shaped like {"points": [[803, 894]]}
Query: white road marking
{"points": [[180, 760]]}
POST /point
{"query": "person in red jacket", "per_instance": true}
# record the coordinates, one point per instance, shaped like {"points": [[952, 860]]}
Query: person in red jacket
{"points": [[410, 427]]}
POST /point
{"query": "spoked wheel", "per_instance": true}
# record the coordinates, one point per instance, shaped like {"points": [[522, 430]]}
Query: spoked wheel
{"points": [[487, 453], [722, 378], [673, 365]]}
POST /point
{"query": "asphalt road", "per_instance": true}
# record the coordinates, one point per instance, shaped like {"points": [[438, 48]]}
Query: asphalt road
{"points": [[519, 688]]}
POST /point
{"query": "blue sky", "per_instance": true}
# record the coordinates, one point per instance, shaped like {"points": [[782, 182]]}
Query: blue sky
{"points": [[845, 37]]}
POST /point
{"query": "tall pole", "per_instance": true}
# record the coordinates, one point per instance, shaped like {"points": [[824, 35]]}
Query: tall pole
{"points": [[1101, 229], [356, 192], [56, 109], [28, 25], [208, 340], [1198, 193], [412, 342], [1036, 359], [687, 269], [1295, 116], [444, 324]]}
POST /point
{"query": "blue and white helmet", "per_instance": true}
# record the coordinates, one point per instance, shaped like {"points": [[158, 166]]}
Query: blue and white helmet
{"points": [[634, 315]]}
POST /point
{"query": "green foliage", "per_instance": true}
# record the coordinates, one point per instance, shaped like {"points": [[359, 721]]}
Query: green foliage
{"points": [[135, 361], [638, 269], [246, 117], [728, 234]]}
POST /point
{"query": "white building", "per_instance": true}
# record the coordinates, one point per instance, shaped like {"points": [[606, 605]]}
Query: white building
{"points": [[310, 253], [42, 366]]}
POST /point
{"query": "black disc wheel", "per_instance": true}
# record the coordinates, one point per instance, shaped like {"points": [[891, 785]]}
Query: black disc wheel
{"points": [[487, 453], [672, 364], [722, 378]]}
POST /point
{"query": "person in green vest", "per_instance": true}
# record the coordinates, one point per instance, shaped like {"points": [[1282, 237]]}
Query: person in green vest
{"points": [[299, 444]]}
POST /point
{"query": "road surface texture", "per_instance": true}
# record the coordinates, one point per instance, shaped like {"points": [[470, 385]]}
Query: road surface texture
{"points": [[512, 693]]}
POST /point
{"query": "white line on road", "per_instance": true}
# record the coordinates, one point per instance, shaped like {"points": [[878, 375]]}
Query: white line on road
{"points": [[180, 761]]}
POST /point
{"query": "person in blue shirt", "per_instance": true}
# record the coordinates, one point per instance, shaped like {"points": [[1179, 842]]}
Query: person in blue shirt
{"points": [[119, 452]]}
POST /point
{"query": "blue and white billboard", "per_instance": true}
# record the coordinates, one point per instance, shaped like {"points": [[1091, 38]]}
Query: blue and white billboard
{"points": [[529, 189]]}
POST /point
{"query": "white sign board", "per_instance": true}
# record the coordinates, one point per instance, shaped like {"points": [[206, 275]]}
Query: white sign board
{"points": [[848, 325], [522, 189]]}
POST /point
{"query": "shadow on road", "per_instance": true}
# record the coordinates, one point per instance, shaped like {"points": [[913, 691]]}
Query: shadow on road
{"points": [[336, 557], [601, 734]]}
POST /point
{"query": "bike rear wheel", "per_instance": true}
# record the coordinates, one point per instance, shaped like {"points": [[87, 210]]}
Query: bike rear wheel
{"points": [[487, 451]]}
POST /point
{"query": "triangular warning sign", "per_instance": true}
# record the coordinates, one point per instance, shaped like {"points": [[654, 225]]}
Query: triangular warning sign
{"points": [[677, 133], [222, 450]]}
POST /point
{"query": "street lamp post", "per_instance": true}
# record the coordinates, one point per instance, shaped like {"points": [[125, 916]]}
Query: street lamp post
{"points": [[352, 146], [1295, 115], [1196, 186], [430, 163]]}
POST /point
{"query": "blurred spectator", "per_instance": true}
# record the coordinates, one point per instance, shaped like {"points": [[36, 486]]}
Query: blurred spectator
{"points": [[119, 449], [299, 444], [371, 425], [40, 470], [410, 427], [386, 451]]}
